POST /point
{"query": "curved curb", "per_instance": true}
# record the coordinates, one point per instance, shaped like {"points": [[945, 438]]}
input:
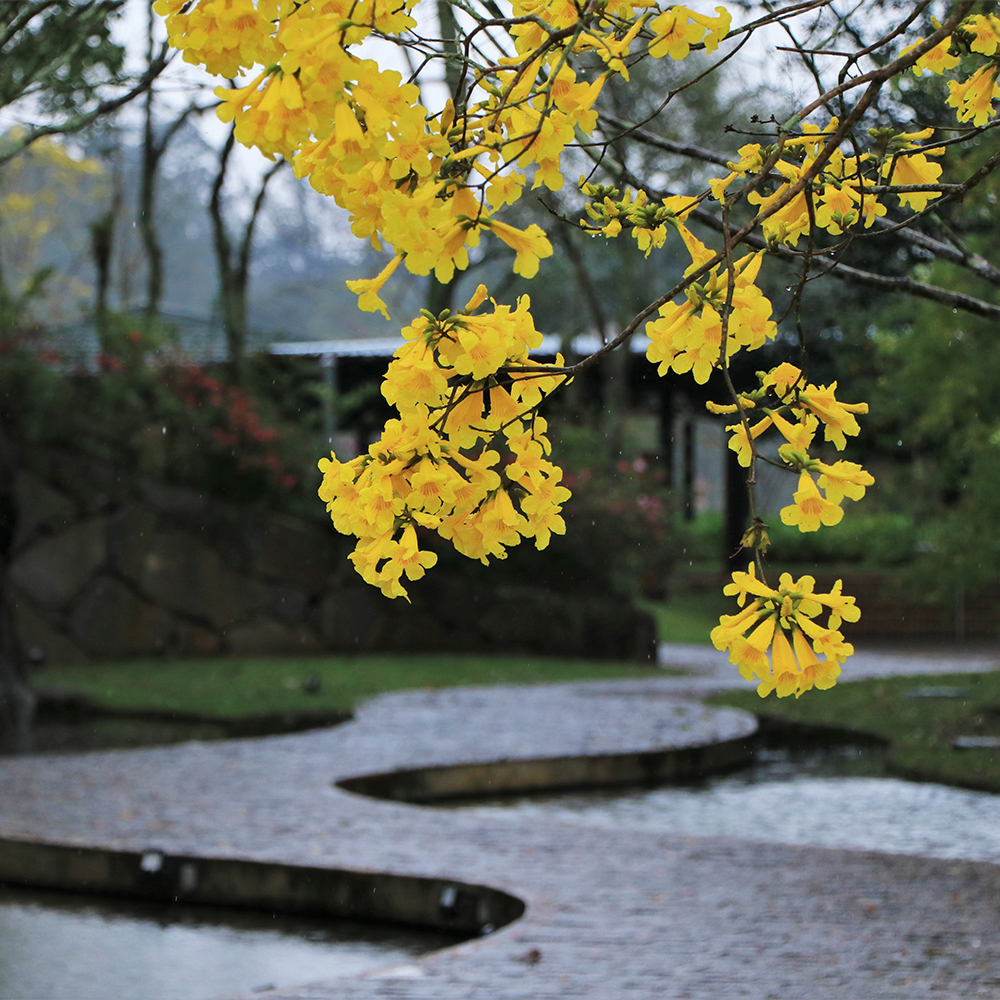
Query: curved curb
{"points": [[441, 904], [551, 774]]}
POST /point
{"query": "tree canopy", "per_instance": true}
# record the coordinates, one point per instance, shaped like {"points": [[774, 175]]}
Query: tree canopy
{"points": [[61, 69], [526, 104]]}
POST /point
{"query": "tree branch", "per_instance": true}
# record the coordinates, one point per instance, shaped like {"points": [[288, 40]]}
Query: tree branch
{"points": [[247, 243], [79, 122]]}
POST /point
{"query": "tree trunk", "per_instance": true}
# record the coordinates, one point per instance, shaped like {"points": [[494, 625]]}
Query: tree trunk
{"points": [[102, 236], [152, 153], [147, 221], [17, 700], [234, 275]]}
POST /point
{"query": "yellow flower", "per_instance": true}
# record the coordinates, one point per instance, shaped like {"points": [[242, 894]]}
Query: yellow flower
{"points": [[414, 378], [843, 479], [782, 378], [798, 435], [674, 31], [838, 417], [479, 296], [700, 254], [504, 189], [716, 27], [747, 583], [531, 244], [986, 29], [841, 606], [974, 97], [937, 60], [913, 168], [810, 509], [368, 288], [741, 444], [726, 408], [837, 208], [785, 674], [750, 661], [409, 559], [483, 349], [815, 672], [827, 641]]}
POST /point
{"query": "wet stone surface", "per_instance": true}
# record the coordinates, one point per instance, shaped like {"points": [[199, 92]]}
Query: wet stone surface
{"points": [[610, 912]]}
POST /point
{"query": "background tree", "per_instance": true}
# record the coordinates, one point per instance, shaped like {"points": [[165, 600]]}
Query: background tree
{"points": [[60, 72], [59, 65]]}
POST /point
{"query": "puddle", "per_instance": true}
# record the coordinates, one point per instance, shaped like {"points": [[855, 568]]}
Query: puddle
{"points": [[65, 946], [831, 798]]}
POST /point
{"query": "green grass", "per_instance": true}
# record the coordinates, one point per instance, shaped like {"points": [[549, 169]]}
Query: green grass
{"points": [[688, 616], [232, 688], [920, 731]]}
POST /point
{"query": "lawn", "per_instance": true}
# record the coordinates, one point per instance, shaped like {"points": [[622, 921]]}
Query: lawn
{"points": [[920, 730], [689, 616], [234, 687]]}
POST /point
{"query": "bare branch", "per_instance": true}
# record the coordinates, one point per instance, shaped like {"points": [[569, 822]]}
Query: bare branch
{"points": [[81, 121]]}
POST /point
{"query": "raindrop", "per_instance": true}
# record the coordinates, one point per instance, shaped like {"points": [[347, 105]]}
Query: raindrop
{"points": [[164, 430], [899, 444]]}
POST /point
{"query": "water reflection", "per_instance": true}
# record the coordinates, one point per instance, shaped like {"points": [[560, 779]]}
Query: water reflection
{"points": [[62, 946], [837, 798]]}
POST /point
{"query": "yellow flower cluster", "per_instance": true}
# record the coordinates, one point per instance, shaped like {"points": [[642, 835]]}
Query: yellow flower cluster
{"points": [[782, 622], [972, 98], [808, 406], [687, 337], [468, 456], [425, 183], [841, 193], [608, 212]]}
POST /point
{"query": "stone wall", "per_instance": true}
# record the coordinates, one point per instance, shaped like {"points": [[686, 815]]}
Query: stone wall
{"points": [[105, 565]]}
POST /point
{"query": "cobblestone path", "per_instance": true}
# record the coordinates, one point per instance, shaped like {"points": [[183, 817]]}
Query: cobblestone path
{"points": [[609, 913]]}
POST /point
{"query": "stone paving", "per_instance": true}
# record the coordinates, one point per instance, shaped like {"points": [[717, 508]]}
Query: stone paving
{"points": [[609, 913]]}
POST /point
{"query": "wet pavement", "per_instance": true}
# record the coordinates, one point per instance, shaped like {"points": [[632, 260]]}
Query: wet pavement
{"points": [[610, 912]]}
